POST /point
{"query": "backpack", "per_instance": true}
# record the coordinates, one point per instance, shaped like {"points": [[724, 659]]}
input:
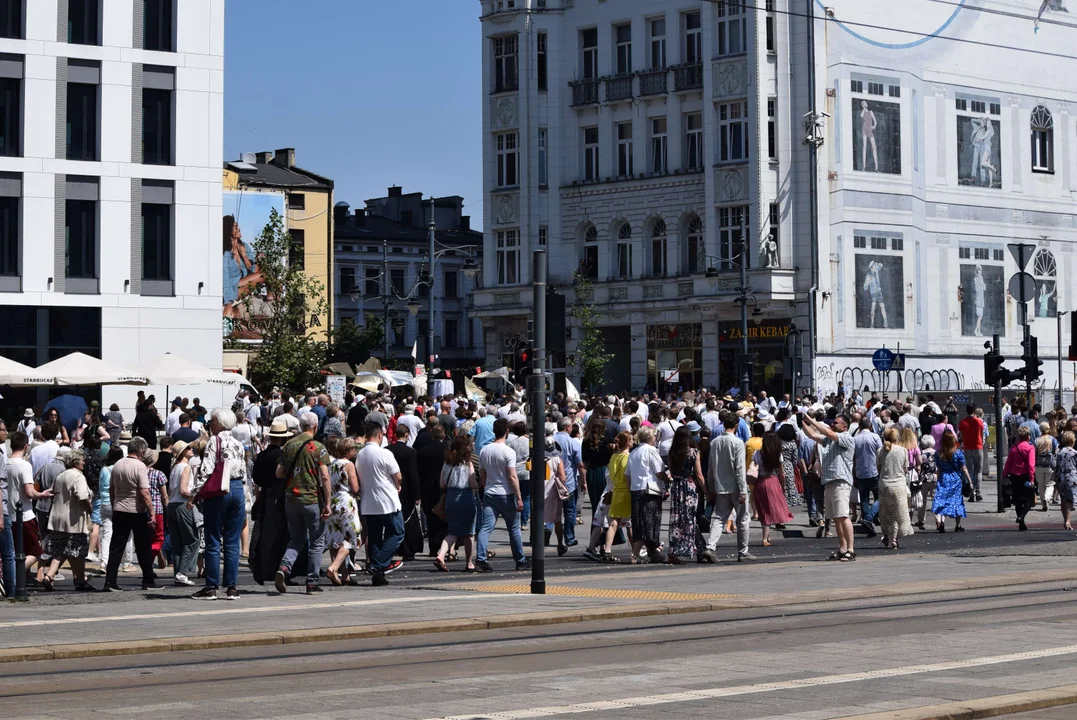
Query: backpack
{"points": [[928, 467]]}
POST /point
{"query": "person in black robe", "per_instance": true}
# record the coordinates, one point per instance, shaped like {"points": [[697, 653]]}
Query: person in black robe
{"points": [[147, 423], [269, 539], [356, 419], [409, 494], [430, 458]]}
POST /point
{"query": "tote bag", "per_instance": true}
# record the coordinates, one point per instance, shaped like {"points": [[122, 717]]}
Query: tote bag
{"points": [[217, 484]]}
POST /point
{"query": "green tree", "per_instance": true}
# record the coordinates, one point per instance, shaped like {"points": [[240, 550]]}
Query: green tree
{"points": [[353, 344], [280, 308], [591, 355]]}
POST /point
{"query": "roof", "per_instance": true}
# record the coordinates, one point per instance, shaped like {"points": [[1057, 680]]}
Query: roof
{"points": [[377, 228], [271, 175]]}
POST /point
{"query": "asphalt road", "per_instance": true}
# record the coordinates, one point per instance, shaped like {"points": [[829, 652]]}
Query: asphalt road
{"points": [[808, 662]]}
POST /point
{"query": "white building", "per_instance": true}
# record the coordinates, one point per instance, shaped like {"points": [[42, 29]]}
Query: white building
{"points": [[110, 187], [645, 142]]}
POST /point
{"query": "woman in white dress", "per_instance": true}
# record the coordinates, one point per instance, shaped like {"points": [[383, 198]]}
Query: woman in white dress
{"points": [[979, 290], [343, 528]]}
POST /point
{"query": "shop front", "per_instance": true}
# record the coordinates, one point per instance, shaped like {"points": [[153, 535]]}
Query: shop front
{"points": [[768, 347], [674, 357]]}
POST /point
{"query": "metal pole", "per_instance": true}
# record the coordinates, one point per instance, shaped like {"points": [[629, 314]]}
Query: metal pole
{"points": [[20, 555], [813, 194], [1027, 327], [1000, 434], [745, 381], [538, 427], [1060, 399], [430, 287], [385, 284]]}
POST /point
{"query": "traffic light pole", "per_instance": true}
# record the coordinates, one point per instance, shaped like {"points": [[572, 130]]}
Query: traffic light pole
{"points": [[1027, 343], [1000, 434], [538, 428]]}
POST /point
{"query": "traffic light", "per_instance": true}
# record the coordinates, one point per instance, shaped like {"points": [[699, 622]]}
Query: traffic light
{"points": [[522, 364], [993, 367], [1032, 360]]}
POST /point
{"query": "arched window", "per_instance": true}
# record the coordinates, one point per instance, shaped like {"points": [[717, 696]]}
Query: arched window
{"points": [[589, 259], [657, 255], [695, 245], [624, 251], [1045, 270], [1043, 140]]}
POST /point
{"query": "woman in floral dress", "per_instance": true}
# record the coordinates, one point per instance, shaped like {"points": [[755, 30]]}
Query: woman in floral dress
{"points": [[1066, 477], [790, 453], [952, 473], [343, 527], [684, 490]]}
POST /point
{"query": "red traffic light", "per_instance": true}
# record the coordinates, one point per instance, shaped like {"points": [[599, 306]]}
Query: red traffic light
{"points": [[523, 356]]}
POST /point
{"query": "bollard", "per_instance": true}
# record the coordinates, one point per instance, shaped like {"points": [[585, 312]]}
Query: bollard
{"points": [[20, 556]]}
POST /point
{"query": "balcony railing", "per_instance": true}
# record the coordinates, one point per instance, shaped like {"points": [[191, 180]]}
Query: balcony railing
{"points": [[619, 87], [654, 82], [584, 92], [688, 77]]}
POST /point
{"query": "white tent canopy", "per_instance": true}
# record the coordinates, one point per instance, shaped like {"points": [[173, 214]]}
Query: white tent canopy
{"points": [[81, 369], [169, 369], [13, 373], [501, 372]]}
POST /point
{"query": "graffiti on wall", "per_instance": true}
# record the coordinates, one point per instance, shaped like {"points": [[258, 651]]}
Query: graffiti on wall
{"points": [[829, 375]]}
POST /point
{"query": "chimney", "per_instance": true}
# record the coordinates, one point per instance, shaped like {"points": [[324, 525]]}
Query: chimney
{"points": [[340, 213], [264, 158], [395, 191], [465, 222], [285, 157], [360, 217]]}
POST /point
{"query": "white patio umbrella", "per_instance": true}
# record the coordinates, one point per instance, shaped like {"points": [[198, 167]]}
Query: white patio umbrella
{"points": [[169, 369], [81, 369], [13, 373]]}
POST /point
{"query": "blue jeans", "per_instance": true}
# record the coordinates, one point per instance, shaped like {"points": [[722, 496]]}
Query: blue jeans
{"points": [[306, 531], [7, 555], [384, 534], [494, 506], [568, 507], [868, 509], [223, 518], [525, 494]]}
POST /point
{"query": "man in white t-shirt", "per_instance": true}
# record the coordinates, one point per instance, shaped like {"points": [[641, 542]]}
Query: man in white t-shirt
{"points": [[501, 496], [172, 422], [411, 422], [379, 506]]}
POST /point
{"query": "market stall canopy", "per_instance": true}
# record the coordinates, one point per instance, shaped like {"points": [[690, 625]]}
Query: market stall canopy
{"points": [[474, 392], [571, 392], [502, 372], [170, 369], [339, 368], [13, 373], [81, 369]]}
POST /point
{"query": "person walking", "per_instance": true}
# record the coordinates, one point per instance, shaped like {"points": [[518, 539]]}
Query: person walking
{"points": [[410, 492], [620, 510], [343, 530], [727, 489], [837, 450], [866, 473], [787, 433], [1046, 446], [893, 464], [182, 526], [596, 458], [952, 474], [554, 490], [971, 433], [575, 478], [70, 521], [1066, 475], [460, 484], [647, 480], [1020, 471], [430, 459], [379, 503], [770, 501], [501, 496], [685, 487], [132, 514]]}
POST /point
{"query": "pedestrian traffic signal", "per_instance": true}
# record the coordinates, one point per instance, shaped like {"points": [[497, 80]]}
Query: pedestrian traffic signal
{"points": [[522, 364], [993, 367], [1032, 360]]}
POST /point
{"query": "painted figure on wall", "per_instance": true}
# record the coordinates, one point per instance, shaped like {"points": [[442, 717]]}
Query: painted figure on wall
{"points": [[1053, 5], [1046, 300], [873, 287], [877, 141], [982, 298], [868, 123], [879, 300], [978, 153]]}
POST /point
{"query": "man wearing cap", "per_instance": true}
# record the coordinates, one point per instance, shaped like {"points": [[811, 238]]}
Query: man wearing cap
{"points": [[172, 422], [27, 424]]}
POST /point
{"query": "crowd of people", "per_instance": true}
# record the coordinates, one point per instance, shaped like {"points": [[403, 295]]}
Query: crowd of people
{"points": [[380, 480]]}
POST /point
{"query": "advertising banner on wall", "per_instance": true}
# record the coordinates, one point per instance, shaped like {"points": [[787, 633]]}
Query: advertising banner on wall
{"points": [[245, 215]]}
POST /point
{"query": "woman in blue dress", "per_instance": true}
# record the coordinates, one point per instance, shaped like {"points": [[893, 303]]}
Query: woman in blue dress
{"points": [[952, 474]]}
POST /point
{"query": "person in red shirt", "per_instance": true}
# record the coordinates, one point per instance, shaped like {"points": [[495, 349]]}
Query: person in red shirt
{"points": [[971, 432], [1020, 470]]}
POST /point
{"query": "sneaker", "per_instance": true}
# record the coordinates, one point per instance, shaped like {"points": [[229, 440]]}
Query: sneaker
{"points": [[561, 550], [393, 567], [746, 557], [206, 593], [231, 594], [59, 577], [314, 589], [483, 567], [111, 588], [126, 568], [280, 581], [182, 580], [379, 580], [708, 556], [572, 543], [546, 534], [151, 585], [524, 564]]}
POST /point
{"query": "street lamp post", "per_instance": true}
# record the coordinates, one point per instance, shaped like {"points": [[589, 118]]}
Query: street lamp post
{"points": [[1060, 314], [385, 300], [429, 359]]}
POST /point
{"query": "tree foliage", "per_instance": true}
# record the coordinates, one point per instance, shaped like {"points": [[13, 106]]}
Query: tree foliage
{"points": [[353, 344], [591, 355]]}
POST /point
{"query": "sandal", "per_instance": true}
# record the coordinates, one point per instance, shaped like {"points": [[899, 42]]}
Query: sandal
{"points": [[959, 528], [836, 555], [674, 560], [606, 558], [470, 569], [491, 553], [634, 560], [334, 577], [451, 557], [46, 582], [766, 543], [849, 556], [440, 565]]}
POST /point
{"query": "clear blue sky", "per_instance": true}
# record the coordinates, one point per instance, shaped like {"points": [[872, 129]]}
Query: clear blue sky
{"points": [[370, 93]]}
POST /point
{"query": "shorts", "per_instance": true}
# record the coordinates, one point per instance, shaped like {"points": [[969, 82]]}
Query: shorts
{"points": [[836, 500], [31, 539]]}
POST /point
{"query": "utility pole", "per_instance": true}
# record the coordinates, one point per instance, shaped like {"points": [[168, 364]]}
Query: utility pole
{"points": [[1000, 433], [1061, 399], [745, 381], [20, 554], [430, 287], [386, 285], [1027, 330], [538, 426]]}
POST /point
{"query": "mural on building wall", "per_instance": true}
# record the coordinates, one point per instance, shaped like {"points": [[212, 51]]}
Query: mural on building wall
{"points": [[1049, 5], [876, 136], [245, 215], [1046, 298], [879, 301], [982, 293], [979, 158]]}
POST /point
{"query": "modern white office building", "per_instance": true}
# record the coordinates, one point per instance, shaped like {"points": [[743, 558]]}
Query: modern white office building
{"points": [[647, 142], [111, 132]]}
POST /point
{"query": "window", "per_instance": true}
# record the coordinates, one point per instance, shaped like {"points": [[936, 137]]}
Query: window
{"points": [[859, 241], [157, 25], [878, 243], [695, 245], [541, 64], [624, 252], [962, 104], [1043, 140], [624, 149], [659, 243], [10, 116], [506, 159], [589, 260], [875, 88], [733, 131], [508, 257], [297, 249], [9, 238], [996, 108], [772, 42], [157, 87], [156, 242], [693, 38], [733, 237], [897, 243], [83, 22], [963, 253], [693, 141], [81, 239], [589, 45], [452, 333], [590, 153], [658, 146], [624, 48], [979, 107], [997, 255], [424, 289], [347, 279], [505, 63], [396, 280], [772, 128], [856, 86], [543, 235], [451, 284], [373, 282], [732, 29], [297, 201], [543, 165], [82, 110], [893, 91], [980, 253], [658, 43], [11, 18]]}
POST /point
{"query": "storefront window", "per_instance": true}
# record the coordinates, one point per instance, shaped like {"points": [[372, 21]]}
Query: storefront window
{"points": [[768, 347], [674, 357]]}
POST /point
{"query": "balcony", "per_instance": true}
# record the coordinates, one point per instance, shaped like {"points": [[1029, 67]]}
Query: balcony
{"points": [[584, 92], [654, 82], [688, 77], [619, 87]]}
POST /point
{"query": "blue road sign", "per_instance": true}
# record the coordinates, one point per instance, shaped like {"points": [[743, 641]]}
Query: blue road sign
{"points": [[883, 360]]}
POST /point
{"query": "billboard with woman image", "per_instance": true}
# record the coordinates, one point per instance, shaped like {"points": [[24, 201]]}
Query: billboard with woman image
{"points": [[245, 215]]}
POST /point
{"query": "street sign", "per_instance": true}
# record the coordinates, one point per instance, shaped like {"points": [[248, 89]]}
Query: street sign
{"points": [[1022, 287], [899, 362], [1022, 253], [671, 376], [883, 359]]}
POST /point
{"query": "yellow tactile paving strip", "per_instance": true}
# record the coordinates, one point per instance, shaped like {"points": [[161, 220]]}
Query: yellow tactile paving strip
{"points": [[595, 592]]}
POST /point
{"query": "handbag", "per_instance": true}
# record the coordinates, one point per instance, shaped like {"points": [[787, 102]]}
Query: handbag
{"points": [[217, 485], [799, 481], [752, 473], [439, 509]]}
